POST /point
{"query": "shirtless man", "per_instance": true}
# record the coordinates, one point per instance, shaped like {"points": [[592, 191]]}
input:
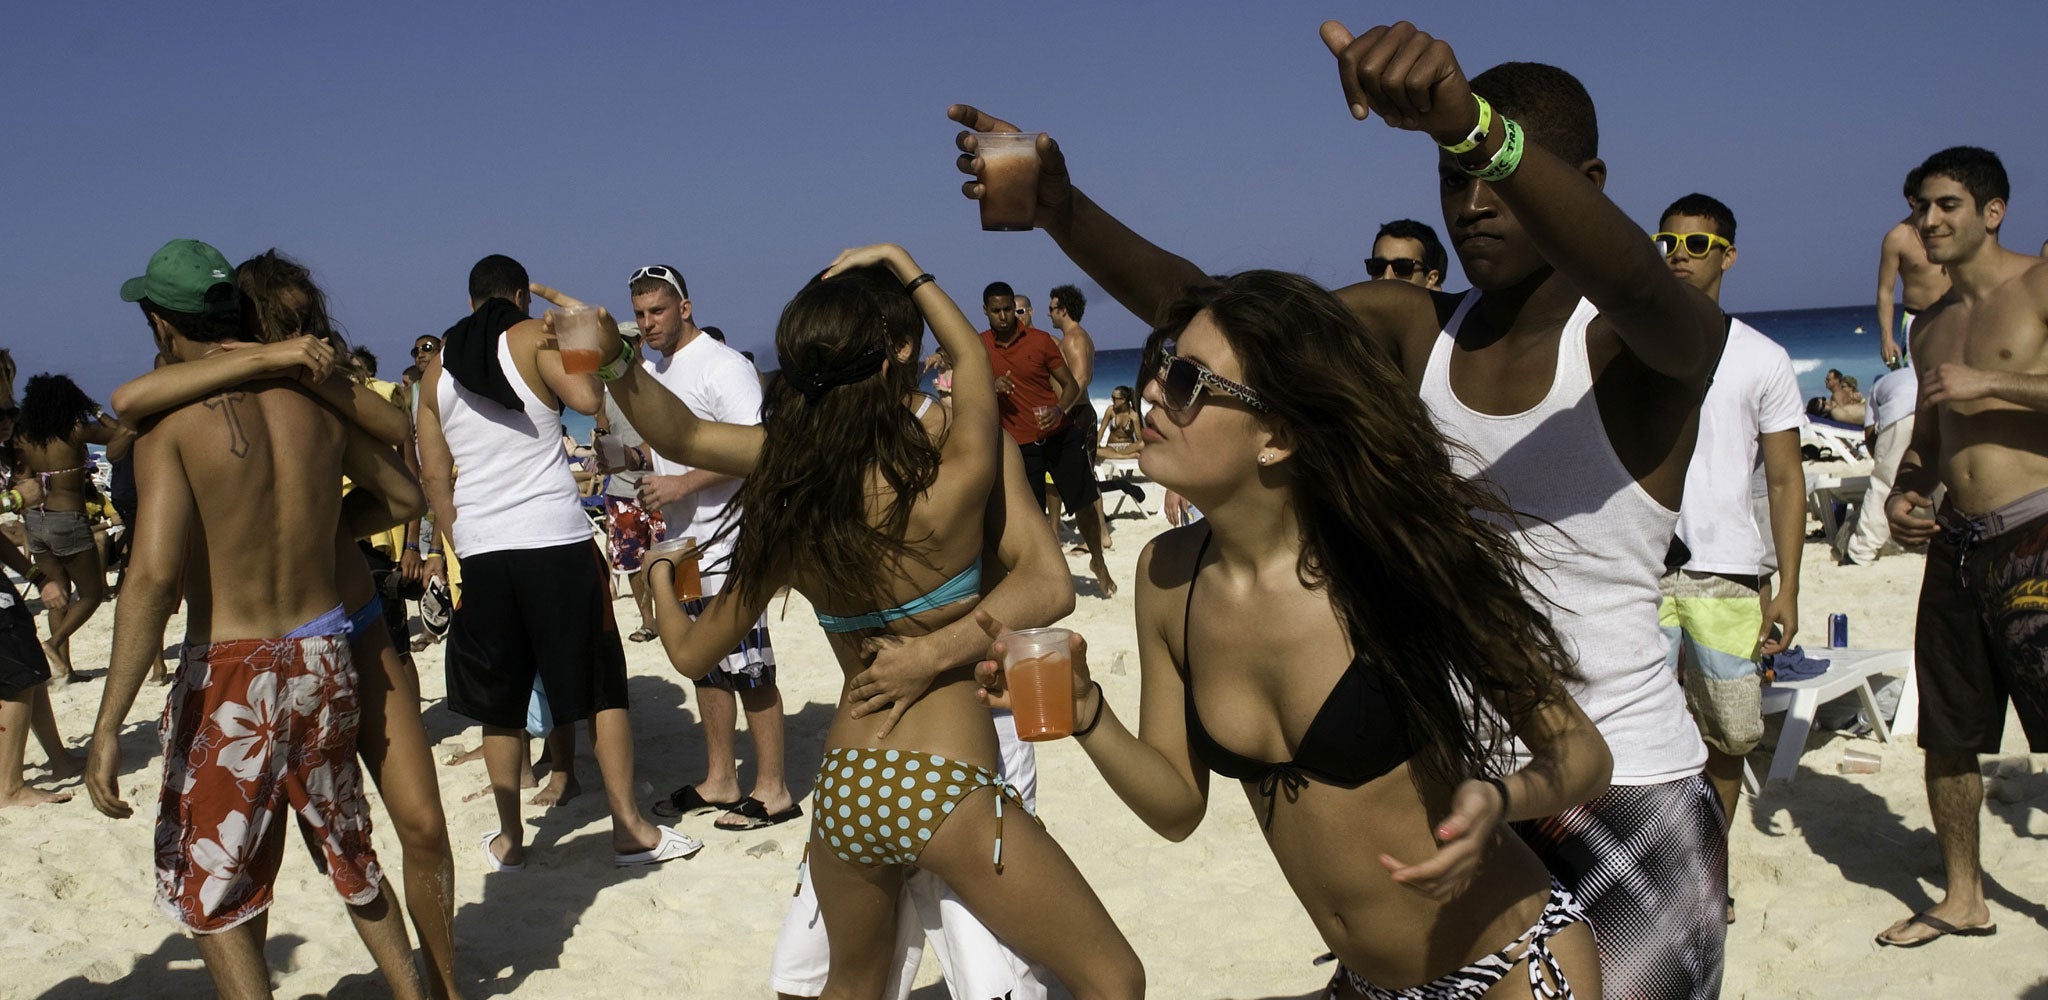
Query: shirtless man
{"points": [[1575, 375], [240, 499], [1981, 431], [1903, 261], [1065, 304]]}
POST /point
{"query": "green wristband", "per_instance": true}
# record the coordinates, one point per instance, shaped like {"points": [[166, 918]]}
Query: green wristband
{"points": [[1477, 137], [1505, 159], [615, 369]]}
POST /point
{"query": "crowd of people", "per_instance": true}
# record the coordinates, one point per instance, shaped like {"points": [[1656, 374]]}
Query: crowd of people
{"points": [[1484, 577]]}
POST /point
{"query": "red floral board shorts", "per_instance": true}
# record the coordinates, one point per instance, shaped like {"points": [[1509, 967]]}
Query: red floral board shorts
{"points": [[633, 528], [257, 731]]}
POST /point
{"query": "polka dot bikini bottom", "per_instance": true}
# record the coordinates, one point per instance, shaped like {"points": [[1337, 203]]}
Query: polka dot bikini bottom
{"points": [[880, 807]]}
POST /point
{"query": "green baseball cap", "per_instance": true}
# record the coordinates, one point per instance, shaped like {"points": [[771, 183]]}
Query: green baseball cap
{"points": [[180, 276]]}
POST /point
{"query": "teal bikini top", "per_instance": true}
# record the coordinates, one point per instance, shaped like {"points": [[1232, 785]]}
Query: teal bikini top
{"points": [[959, 588]]}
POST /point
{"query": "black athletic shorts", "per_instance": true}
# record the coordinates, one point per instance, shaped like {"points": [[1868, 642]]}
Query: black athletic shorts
{"points": [[1081, 424], [1072, 474], [1983, 632], [22, 665], [528, 612]]}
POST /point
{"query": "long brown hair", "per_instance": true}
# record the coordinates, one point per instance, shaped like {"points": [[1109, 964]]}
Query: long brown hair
{"points": [[269, 316], [1413, 556], [834, 418]]}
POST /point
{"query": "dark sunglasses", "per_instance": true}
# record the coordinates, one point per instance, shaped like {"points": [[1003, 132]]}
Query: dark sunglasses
{"points": [[1404, 267], [428, 347], [1181, 383]]}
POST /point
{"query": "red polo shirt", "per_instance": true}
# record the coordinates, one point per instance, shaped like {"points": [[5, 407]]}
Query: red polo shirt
{"points": [[1029, 360]]}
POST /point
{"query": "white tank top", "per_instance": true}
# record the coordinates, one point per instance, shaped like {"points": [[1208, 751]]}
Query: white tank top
{"points": [[1597, 559], [513, 487]]}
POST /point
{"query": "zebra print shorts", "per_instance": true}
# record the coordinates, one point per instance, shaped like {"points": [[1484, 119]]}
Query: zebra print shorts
{"points": [[1546, 979]]}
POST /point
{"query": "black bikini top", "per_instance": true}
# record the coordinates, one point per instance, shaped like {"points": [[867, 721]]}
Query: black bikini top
{"points": [[1354, 738]]}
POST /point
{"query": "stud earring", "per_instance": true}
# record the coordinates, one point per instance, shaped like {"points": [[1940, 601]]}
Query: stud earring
{"points": [[1265, 459]]}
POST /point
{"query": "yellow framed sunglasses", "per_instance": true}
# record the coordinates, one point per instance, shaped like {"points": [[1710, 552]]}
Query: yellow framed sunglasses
{"points": [[1695, 244]]}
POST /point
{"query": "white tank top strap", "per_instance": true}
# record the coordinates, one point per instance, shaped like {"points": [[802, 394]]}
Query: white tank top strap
{"points": [[924, 406]]}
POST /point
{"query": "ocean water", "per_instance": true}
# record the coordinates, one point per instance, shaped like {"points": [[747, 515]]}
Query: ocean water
{"points": [[1840, 337]]}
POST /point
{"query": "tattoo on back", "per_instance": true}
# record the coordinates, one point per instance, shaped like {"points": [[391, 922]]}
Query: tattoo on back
{"points": [[238, 441]]}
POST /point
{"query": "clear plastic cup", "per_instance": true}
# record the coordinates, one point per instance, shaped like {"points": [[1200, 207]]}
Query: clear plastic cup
{"points": [[683, 552], [1046, 416], [1038, 667], [1860, 762], [577, 335], [1009, 177]]}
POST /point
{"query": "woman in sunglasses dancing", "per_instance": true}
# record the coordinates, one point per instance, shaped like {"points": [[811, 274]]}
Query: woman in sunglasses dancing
{"points": [[1346, 633], [869, 501]]}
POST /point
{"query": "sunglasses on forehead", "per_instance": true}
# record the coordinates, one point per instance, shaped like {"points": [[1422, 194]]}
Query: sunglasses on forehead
{"points": [[664, 273], [1403, 267], [1695, 244], [1181, 383]]}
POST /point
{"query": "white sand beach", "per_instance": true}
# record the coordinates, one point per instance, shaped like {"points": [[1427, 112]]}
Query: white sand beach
{"points": [[1819, 865]]}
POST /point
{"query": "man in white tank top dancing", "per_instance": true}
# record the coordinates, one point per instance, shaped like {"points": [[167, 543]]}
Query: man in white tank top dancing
{"points": [[534, 601], [1574, 374]]}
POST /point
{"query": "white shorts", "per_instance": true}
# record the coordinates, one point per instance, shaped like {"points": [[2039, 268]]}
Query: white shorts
{"points": [[976, 965]]}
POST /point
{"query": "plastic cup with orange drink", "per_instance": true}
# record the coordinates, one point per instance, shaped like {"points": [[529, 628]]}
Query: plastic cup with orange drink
{"points": [[577, 335], [1038, 668], [682, 553]]}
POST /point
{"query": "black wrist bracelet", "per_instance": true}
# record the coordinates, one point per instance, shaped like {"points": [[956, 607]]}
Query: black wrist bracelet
{"points": [[1501, 787], [1099, 700], [910, 287]]}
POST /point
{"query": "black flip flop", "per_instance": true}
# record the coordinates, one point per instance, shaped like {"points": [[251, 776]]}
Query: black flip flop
{"points": [[685, 801], [756, 815], [1941, 928]]}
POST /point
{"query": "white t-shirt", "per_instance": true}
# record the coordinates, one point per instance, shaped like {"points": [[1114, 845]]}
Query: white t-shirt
{"points": [[716, 383], [1891, 398], [1754, 392]]}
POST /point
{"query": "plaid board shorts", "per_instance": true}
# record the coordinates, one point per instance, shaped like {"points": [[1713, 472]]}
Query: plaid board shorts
{"points": [[255, 732]]}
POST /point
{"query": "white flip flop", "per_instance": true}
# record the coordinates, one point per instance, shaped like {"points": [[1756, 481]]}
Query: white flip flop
{"points": [[674, 845], [491, 857]]}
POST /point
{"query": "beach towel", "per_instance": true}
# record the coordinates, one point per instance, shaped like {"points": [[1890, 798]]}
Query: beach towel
{"points": [[1792, 665]]}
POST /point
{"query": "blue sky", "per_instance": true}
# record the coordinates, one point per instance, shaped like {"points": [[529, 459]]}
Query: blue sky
{"points": [[389, 147]]}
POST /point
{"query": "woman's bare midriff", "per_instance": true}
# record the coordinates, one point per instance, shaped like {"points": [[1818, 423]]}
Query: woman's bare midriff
{"points": [[1328, 841], [64, 491]]}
